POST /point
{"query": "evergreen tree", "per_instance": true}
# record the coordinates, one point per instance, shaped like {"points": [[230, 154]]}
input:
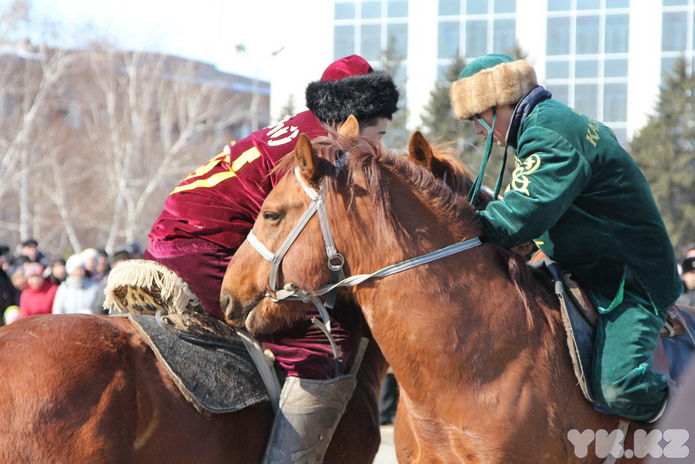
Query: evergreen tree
{"points": [[439, 123], [665, 151]]}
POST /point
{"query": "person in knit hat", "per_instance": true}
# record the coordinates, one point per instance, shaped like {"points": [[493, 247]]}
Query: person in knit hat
{"points": [[579, 195], [210, 213]]}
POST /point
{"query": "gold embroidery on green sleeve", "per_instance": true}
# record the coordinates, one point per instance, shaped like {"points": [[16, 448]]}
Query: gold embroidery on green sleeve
{"points": [[520, 177]]}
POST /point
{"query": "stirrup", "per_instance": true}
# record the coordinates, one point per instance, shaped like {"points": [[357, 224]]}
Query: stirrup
{"points": [[142, 286]]}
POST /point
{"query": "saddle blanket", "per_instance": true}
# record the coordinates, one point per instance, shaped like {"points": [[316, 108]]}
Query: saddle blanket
{"points": [[675, 348], [213, 371]]}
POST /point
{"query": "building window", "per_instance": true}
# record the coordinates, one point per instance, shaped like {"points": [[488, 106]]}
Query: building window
{"points": [[617, 3], [559, 5], [615, 67], [557, 69], [344, 10], [615, 102], [674, 31], [476, 38], [370, 40], [586, 99], [588, 4], [505, 6], [617, 33], [558, 36], [588, 34], [371, 10], [678, 34], [343, 41], [398, 39], [504, 35], [448, 39], [584, 69], [371, 28], [476, 7], [398, 9], [449, 7], [583, 50], [560, 93]]}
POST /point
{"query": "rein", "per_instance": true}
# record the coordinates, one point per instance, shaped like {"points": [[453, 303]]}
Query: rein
{"points": [[335, 260]]}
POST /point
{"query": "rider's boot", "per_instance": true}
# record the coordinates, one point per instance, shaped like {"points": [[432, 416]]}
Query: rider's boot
{"points": [[308, 414]]}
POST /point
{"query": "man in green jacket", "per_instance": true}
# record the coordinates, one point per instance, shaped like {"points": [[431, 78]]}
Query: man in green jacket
{"points": [[579, 195]]}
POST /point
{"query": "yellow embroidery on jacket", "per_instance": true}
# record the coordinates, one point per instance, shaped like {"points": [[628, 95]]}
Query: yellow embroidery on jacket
{"points": [[592, 132], [248, 156], [520, 176]]}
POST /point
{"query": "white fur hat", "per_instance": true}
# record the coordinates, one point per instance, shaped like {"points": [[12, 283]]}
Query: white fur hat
{"points": [[489, 81]]}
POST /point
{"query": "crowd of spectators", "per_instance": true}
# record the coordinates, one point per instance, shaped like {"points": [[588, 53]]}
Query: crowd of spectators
{"points": [[32, 283]]}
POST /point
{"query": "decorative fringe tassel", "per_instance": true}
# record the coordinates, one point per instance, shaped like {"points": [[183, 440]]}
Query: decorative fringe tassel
{"points": [[140, 273]]}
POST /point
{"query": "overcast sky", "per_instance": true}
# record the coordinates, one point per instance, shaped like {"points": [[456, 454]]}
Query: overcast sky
{"points": [[207, 30]]}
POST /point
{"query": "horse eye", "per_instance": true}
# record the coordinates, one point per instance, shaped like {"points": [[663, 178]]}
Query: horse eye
{"points": [[270, 216]]}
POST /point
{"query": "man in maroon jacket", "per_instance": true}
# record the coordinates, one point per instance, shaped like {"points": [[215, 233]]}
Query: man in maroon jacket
{"points": [[209, 214]]}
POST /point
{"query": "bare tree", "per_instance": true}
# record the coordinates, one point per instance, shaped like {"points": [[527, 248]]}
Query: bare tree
{"points": [[152, 117], [93, 140], [29, 78]]}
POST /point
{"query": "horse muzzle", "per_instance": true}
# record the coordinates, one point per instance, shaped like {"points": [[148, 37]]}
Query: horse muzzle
{"points": [[234, 313]]}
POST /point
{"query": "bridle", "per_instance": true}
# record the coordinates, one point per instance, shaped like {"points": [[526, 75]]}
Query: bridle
{"points": [[335, 260]]}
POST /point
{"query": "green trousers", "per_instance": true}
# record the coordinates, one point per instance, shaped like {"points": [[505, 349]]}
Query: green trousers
{"points": [[626, 334]]}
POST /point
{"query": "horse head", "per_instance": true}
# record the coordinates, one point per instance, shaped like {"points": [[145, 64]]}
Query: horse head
{"points": [[253, 303], [373, 200]]}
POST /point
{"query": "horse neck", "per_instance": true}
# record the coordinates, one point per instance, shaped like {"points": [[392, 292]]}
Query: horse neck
{"points": [[464, 305], [414, 223]]}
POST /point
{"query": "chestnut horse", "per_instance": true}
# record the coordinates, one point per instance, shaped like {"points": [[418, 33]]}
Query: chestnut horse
{"points": [[475, 342], [78, 388]]}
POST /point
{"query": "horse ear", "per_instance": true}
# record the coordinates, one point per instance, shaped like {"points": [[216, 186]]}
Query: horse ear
{"points": [[350, 128], [307, 160], [420, 150]]}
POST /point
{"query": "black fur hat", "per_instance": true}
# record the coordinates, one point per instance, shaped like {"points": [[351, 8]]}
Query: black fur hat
{"points": [[351, 86]]}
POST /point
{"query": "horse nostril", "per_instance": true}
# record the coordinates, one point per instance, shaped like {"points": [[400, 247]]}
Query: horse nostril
{"points": [[226, 304]]}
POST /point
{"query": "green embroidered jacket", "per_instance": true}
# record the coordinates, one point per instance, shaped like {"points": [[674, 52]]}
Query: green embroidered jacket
{"points": [[580, 196]]}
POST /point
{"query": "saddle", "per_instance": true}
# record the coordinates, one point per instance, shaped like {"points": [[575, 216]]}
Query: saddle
{"points": [[206, 359], [670, 358]]}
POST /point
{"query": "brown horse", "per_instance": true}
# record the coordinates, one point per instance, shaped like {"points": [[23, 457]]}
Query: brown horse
{"points": [[81, 388], [88, 389], [476, 343]]}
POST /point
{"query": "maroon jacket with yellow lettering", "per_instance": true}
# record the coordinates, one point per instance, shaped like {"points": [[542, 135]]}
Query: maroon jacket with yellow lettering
{"points": [[208, 216], [220, 201]]}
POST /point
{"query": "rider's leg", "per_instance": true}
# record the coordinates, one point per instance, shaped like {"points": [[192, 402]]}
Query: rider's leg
{"points": [[623, 380], [313, 399], [308, 415]]}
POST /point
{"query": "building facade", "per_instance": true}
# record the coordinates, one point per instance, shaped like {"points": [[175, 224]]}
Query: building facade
{"points": [[605, 58]]}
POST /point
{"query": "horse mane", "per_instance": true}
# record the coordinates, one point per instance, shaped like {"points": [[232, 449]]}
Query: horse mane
{"points": [[367, 157], [459, 177]]}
